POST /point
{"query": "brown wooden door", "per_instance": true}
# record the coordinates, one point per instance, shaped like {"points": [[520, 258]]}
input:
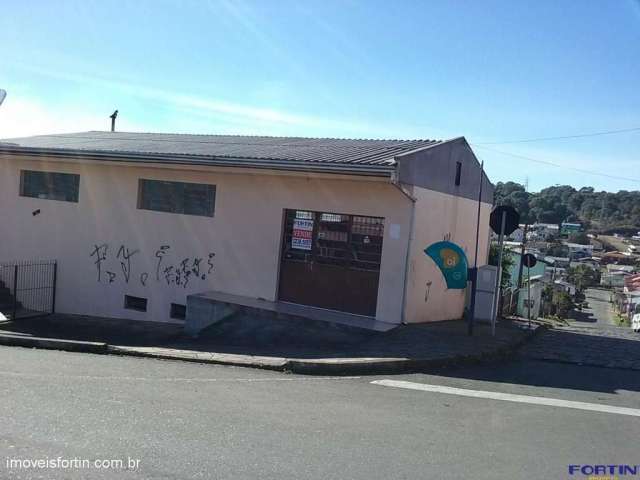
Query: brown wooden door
{"points": [[331, 261]]}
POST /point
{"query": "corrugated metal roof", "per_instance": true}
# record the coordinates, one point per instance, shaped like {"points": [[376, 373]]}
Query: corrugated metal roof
{"points": [[352, 152]]}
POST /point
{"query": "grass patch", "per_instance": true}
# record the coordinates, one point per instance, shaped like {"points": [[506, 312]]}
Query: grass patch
{"points": [[623, 321]]}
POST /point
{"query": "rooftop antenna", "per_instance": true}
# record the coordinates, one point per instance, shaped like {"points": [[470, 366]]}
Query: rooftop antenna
{"points": [[113, 120]]}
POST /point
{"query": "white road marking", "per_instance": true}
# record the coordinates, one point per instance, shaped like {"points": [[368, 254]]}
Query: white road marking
{"points": [[509, 397]]}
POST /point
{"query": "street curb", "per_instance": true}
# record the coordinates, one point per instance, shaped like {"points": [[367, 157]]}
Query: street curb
{"points": [[584, 364], [323, 366], [235, 360], [394, 366], [52, 344], [330, 366]]}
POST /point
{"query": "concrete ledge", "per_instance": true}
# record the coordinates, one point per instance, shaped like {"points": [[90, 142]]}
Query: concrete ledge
{"points": [[52, 344], [201, 315]]}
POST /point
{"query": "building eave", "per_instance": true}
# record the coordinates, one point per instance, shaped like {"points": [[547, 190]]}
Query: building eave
{"points": [[173, 159]]}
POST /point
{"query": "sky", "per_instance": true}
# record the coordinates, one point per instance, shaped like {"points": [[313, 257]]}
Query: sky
{"points": [[493, 71]]}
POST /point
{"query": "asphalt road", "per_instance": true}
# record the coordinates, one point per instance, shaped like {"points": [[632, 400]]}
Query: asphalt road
{"points": [[599, 309], [183, 420]]}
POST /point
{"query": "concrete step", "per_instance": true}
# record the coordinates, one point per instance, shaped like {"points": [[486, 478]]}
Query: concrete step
{"points": [[7, 307], [5, 296], [205, 309]]}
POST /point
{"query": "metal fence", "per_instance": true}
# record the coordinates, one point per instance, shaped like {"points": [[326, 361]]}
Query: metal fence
{"points": [[27, 288], [508, 302]]}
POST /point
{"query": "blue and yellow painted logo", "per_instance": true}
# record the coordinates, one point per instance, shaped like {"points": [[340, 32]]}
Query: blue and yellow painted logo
{"points": [[452, 262]]}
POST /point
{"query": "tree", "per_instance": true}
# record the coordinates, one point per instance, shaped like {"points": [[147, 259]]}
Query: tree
{"points": [[582, 276], [507, 263], [563, 304], [600, 210], [558, 249], [549, 205], [580, 238], [514, 195]]}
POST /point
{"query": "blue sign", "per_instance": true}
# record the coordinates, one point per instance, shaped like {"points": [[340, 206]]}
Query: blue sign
{"points": [[452, 261]]}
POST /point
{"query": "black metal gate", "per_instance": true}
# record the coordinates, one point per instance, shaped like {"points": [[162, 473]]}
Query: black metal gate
{"points": [[27, 288], [331, 261]]}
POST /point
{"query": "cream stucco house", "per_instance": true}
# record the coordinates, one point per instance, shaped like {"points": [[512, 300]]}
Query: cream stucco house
{"points": [[138, 221]]}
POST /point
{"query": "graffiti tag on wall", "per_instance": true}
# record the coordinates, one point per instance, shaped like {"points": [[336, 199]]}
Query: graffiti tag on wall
{"points": [[179, 272]]}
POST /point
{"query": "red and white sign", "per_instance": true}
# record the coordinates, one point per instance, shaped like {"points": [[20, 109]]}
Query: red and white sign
{"points": [[302, 234]]}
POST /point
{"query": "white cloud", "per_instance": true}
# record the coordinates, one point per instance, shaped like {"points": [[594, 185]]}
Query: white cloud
{"points": [[248, 118], [20, 117]]}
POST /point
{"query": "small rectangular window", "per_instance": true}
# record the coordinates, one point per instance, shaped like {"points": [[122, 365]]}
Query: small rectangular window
{"points": [[458, 172], [178, 311], [135, 303], [50, 185], [177, 197]]}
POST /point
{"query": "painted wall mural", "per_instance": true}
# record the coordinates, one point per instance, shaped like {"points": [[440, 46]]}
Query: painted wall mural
{"points": [[118, 264]]}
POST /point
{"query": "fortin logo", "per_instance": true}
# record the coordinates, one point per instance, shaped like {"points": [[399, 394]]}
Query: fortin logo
{"points": [[605, 472]]}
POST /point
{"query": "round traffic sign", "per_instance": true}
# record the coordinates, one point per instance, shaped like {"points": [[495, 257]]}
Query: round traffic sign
{"points": [[529, 260]]}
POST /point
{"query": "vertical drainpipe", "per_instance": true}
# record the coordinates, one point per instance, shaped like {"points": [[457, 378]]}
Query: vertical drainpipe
{"points": [[396, 183]]}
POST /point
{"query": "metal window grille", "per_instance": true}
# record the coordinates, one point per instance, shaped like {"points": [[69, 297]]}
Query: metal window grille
{"points": [[346, 240], [177, 197], [50, 185], [135, 303]]}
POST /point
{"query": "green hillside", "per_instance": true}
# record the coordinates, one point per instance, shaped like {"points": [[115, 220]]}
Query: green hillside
{"points": [[599, 211]]}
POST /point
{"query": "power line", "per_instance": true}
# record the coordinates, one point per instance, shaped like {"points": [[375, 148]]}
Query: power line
{"points": [[546, 162], [565, 137]]}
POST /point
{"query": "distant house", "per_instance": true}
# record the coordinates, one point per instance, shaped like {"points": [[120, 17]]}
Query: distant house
{"points": [[593, 262], [616, 275], [613, 279], [577, 250], [618, 258], [568, 228], [562, 262], [518, 234], [544, 231], [536, 271], [565, 286], [620, 268], [530, 301], [632, 283]]}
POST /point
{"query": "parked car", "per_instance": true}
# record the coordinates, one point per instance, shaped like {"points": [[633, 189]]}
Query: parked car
{"points": [[635, 320]]}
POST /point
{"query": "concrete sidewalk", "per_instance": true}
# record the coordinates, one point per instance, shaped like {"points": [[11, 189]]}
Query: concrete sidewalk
{"points": [[286, 345]]}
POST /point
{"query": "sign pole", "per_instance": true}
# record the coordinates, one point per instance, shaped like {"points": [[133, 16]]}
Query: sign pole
{"points": [[494, 310], [474, 275], [529, 295]]}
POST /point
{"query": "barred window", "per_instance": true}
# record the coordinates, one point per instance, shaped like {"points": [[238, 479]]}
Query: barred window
{"points": [[135, 303], [50, 185], [177, 197]]}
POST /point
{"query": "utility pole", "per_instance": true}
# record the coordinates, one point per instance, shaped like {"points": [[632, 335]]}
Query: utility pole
{"points": [[529, 295], [522, 252], [474, 271], [498, 298]]}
